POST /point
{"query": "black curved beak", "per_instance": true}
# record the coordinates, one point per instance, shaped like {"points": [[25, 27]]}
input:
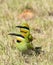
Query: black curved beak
{"points": [[19, 26], [23, 27], [13, 34]]}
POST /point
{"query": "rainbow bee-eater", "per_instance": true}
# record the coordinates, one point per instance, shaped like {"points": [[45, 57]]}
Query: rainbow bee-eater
{"points": [[22, 43], [25, 31]]}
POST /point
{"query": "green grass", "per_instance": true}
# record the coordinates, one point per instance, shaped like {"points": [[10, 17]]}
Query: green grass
{"points": [[9, 10]]}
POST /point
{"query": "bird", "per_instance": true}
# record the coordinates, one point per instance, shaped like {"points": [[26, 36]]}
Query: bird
{"points": [[22, 44], [24, 40], [25, 31]]}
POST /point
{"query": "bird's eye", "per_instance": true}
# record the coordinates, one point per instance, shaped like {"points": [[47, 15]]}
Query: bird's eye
{"points": [[18, 41]]}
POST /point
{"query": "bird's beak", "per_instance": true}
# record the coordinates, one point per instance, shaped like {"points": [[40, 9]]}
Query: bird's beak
{"points": [[13, 34], [19, 26], [23, 27]]}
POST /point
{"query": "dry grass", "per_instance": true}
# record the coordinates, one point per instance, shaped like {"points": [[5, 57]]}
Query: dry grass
{"points": [[9, 11]]}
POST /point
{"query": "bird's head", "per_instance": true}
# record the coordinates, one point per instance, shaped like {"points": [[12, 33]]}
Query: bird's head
{"points": [[24, 28], [19, 37]]}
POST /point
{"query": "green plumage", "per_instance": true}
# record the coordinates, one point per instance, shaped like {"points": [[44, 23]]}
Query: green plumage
{"points": [[25, 31], [24, 39], [24, 45]]}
